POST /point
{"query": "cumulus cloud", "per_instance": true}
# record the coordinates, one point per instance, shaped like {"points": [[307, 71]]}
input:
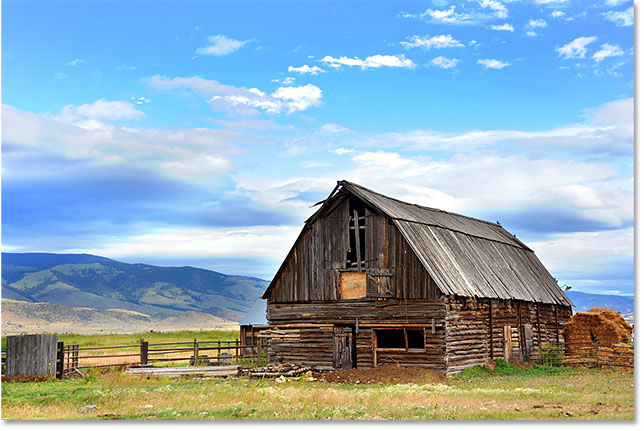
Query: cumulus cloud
{"points": [[313, 70], [557, 14], [530, 33], [284, 99], [622, 19], [372, 62], [445, 63], [537, 23], [499, 8], [91, 115], [436, 16], [491, 63], [221, 45], [503, 27], [441, 41], [188, 153], [607, 50], [576, 48]]}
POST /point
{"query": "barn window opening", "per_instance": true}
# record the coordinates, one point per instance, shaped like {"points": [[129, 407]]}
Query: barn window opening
{"points": [[403, 338], [415, 339], [356, 252], [390, 338]]}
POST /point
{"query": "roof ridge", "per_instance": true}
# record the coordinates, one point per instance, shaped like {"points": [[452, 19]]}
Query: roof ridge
{"points": [[422, 206]]}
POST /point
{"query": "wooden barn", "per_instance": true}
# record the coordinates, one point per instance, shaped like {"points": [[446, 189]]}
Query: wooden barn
{"points": [[373, 280]]}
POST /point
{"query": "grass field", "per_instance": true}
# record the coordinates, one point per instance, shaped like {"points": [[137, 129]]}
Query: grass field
{"points": [[563, 393]]}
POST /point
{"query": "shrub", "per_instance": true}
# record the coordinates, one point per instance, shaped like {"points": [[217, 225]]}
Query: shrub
{"points": [[550, 355]]}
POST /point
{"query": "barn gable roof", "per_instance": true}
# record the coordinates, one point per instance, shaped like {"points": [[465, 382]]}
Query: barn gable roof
{"points": [[463, 255]]}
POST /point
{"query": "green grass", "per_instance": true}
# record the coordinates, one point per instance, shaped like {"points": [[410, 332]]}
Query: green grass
{"points": [[569, 393], [503, 368]]}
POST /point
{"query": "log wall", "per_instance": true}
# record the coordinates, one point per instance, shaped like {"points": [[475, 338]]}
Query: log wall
{"points": [[473, 335], [310, 340]]}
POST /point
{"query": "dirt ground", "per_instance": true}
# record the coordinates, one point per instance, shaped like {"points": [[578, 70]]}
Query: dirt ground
{"points": [[387, 373]]}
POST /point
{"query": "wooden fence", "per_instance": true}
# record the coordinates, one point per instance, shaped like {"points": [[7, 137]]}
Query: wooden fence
{"points": [[145, 353]]}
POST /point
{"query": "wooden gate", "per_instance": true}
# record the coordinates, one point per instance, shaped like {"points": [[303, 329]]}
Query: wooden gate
{"points": [[342, 347]]}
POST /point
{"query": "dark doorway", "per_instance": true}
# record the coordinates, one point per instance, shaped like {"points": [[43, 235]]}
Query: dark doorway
{"points": [[344, 347]]}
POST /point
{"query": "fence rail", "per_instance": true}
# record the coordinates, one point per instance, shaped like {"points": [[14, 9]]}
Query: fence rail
{"points": [[597, 353], [74, 357]]}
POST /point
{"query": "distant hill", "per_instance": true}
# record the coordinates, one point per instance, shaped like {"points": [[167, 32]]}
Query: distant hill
{"points": [[20, 316], [585, 301], [83, 280]]}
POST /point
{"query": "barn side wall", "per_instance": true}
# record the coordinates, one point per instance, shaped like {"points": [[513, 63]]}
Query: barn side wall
{"points": [[473, 334], [303, 332]]}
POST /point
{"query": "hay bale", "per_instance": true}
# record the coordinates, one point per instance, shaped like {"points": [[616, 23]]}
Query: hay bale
{"points": [[597, 324]]}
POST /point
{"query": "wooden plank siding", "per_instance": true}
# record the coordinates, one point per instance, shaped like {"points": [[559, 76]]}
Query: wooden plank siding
{"points": [[312, 269]]}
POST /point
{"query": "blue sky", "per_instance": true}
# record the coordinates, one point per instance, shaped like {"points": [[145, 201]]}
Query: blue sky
{"points": [[201, 133]]}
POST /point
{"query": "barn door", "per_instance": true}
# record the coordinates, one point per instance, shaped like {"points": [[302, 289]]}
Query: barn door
{"points": [[342, 347]]}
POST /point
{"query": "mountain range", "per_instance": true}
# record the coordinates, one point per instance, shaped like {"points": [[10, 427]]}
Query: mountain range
{"points": [[99, 283]]}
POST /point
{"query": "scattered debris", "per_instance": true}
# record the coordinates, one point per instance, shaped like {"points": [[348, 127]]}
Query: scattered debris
{"points": [[280, 370]]}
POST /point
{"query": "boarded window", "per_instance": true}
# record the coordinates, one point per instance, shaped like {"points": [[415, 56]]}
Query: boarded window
{"points": [[390, 338], [353, 285]]}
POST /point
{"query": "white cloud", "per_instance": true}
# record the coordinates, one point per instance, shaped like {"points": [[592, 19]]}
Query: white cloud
{"points": [[503, 27], [445, 63], [445, 16], [622, 19], [499, 8], [530, 33], [442, 41], [607, 50], [299, 98], [76, 62], [372, 62], [491, 63], [288, 80], [576, 48], [557, 14], [89, 115], [221, 45], [579, 251], [284, 99], [341, 151], [272, 242], [60, 75], [313, 70], [537, 23], [608, 129], [334, 128], [615, 2]]}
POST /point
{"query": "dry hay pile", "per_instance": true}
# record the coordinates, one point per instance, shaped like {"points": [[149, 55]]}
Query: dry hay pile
{"points": [[603, 326]]}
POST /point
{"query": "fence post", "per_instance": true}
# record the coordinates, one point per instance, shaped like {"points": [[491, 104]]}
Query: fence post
{"points": [[196, 353], [60, 359], [237, 352], [76, 354], [144, 352]]}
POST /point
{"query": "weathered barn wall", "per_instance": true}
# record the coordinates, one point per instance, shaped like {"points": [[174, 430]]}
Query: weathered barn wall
{"points": [[473, 334], [313, 268], [310, 340]]}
